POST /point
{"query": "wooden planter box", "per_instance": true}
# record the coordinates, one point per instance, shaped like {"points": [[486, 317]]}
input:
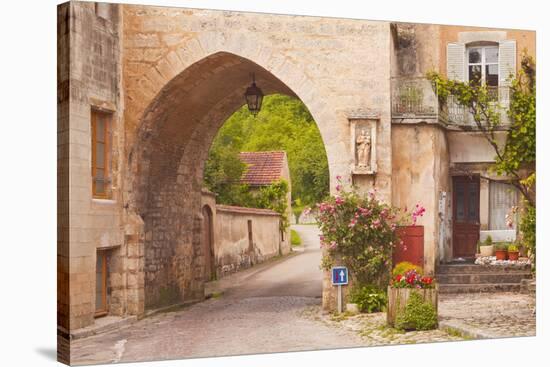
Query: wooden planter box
{"points": [[398, 297], [413, 242]]}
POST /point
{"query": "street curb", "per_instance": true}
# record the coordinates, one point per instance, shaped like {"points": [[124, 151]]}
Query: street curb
{"points": [[91, 331], [464, 330]]}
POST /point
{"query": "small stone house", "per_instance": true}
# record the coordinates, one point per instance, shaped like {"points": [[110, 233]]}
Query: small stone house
{"points": [[264, 168]]}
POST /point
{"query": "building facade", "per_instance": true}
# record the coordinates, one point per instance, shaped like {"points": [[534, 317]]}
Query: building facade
{"points": [[142, 91]]}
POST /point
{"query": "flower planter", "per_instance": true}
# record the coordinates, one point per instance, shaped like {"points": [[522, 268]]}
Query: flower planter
{"points": [[513, 255], [501, 254], [412, 249], [398, 297], [486, 250]]}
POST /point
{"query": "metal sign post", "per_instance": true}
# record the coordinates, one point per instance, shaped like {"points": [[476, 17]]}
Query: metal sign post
{"points": [[339, 278]]}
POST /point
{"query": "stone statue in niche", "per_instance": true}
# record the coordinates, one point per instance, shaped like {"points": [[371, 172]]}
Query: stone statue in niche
{"points": [[363, 149]]}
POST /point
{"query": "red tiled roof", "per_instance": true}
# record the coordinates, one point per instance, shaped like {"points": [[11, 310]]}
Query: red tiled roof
{"points": [[263, 168]]}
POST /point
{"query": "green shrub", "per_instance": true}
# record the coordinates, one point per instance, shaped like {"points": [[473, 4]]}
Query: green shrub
{"points": [[404, 266], [488, 241], [295, 239], [369, 298], [512, 248], [417, 315], [527, 227]]}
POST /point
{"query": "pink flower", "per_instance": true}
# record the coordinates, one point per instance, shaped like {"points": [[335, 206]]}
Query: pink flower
{"points": [[338, 187], [339, 200]]}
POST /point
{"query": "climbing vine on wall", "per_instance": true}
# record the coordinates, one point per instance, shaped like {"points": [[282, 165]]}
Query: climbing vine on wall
{"points": [[516, 158]]}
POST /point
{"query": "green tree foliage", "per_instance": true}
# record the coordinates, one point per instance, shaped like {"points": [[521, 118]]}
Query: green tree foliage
{"points": [[274, 197], [284, 123], [222, 174]]}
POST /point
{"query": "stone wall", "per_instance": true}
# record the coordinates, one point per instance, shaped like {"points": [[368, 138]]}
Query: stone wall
{"points": [[420, 173], [91, 44], [233, 249]]}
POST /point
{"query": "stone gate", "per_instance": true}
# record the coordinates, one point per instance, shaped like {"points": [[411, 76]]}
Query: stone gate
{"points": [[155, 84]]}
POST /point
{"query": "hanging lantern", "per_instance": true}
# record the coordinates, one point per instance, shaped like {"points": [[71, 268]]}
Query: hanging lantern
{"points": [[254, 97]]}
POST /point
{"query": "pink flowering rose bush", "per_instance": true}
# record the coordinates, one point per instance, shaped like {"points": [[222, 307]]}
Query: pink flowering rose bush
{"points": [[359, 231]]}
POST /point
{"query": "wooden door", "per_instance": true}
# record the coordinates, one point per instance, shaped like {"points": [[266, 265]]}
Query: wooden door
{"points": [[208, 246], [465, 216], [101, 304]]}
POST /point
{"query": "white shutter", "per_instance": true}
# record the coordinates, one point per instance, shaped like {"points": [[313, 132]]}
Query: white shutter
{"points": [[506, 62], [456, 61]]}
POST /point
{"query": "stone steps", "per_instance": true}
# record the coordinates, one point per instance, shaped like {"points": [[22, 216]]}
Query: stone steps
{"points": [[528, 286], [478, 288], [470, 278], [469, 268], [483, 278]]}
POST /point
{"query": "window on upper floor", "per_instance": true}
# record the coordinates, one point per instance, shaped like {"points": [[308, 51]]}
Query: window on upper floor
{"points": [[101, 154], [483, 65]]}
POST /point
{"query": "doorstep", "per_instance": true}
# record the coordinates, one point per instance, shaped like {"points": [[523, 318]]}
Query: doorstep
{"points": [[103, 325]]}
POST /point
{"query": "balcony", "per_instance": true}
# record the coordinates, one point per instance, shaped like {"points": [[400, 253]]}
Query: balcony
{"points": [[414, 100]]}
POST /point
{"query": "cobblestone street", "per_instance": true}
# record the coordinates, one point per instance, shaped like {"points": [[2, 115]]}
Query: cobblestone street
{"points": [[262, 311], [489, 315]]}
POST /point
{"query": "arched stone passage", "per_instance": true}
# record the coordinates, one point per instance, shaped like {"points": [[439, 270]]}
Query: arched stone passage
{"points": [[166, 165]]}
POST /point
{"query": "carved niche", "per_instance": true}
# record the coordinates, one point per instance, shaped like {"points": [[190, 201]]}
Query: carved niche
{"points": [[363, 127]]}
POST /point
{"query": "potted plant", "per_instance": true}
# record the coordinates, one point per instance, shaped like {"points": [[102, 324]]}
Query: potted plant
{"points": [[501, 251], [513, 252], [408, 285], [487, 248]]}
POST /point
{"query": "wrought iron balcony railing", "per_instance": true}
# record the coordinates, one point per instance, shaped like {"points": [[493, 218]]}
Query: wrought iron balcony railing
{"points": [[413, 100]]}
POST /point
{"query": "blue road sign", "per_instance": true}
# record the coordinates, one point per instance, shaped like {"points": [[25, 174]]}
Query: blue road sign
{"points": [[339, 275]]}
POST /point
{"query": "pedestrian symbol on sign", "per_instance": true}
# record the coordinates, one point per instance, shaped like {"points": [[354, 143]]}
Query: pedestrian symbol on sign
{"points": [[339, 275]]}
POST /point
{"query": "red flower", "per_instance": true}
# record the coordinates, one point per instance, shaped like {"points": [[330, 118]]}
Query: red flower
{"points": [[427, 280], [399, 277]]}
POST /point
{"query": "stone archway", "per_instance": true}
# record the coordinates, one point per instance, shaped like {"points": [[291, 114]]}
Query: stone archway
{"points": [[166, 161]]}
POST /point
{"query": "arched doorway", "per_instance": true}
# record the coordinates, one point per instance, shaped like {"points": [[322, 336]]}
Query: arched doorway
{"points": [[166, 165], [208, 244]]}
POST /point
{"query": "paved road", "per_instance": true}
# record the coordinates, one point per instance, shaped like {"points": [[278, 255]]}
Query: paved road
{"points": [[262, 310]]}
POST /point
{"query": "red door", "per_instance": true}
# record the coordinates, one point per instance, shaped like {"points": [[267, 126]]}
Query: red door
{"points": [[465, 216]]}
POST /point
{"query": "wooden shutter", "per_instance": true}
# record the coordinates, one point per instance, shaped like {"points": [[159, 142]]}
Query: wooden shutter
{"points": [[456, 58], [506, 62]]}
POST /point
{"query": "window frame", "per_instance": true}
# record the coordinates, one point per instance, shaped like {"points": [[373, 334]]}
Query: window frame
{"points": [[108, 118], [483, 63]]}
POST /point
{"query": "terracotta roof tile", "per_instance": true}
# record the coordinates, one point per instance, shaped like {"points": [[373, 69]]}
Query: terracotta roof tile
{"points": [[263, 167]]}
